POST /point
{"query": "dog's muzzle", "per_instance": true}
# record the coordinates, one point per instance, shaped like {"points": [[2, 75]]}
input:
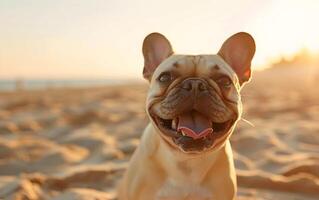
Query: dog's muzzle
{"points": [[193, 115]]}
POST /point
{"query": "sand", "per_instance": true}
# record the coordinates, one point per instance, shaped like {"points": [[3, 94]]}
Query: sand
{"points": [[75, 143]]}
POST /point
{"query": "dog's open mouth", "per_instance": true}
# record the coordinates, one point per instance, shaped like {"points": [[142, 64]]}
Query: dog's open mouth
{"points": [[192, 131]]}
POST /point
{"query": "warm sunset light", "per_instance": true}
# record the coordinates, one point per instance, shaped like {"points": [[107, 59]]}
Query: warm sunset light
{"points": [[101, 99], [102, 39]]}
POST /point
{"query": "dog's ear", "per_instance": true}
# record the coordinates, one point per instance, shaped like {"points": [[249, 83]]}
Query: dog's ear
{"points": [[238, 51], [156, 48]]}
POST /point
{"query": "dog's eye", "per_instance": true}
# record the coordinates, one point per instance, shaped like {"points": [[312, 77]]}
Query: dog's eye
{"points": [[165, 77], [224, 81]]}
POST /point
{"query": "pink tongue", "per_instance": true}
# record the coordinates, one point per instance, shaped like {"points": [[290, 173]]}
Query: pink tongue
{"points": [[194, 125]]}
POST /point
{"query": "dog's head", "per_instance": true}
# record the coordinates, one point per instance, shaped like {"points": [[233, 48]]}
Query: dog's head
{"points": [[194, 101]]}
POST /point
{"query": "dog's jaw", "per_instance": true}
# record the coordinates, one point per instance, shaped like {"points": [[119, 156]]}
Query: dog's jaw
{"points": [[173, 133]]}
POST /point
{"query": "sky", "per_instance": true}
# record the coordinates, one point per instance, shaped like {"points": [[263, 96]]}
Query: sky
{"points": [[102, 38]]}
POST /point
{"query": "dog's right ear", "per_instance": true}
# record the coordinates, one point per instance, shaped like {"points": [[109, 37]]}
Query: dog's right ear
{"points": [[156, 48]]}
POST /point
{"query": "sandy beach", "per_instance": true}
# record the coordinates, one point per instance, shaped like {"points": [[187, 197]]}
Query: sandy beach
{"points": [[75, 144]]}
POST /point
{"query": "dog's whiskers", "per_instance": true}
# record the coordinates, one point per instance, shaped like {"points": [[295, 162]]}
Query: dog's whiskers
{"points": [[248, 122]]}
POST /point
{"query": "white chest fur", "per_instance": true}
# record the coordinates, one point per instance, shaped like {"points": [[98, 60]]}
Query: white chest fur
{"points": [[175, 191], [185, 174]]}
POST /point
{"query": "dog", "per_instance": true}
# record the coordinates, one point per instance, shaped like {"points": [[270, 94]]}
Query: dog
{"points": [[193, 104]]}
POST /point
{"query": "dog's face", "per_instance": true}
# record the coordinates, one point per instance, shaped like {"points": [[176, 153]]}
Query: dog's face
{"points": [[194, 101]]}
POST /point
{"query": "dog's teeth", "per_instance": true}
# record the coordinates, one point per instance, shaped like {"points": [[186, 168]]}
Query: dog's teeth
{"points": [[174, 124], [183, 133]]}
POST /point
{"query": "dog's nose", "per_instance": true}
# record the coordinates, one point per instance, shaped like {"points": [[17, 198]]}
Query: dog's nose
{"points": [[194, 84]]}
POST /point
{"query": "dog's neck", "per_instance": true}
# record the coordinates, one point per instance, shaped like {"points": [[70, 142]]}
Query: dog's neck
{"points": [[182, 167]]}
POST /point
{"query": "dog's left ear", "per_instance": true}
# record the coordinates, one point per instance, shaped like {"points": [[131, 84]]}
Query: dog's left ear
{"points": [[156, 48], [238, 51]]}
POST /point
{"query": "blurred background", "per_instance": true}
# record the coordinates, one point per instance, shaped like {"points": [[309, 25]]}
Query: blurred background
{"points": [[72, 94]]}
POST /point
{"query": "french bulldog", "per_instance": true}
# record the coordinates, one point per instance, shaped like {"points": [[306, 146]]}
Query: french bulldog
{"points": [[193, 104]]}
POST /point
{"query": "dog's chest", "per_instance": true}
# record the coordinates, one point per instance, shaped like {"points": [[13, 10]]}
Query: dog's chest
{"points": [[172, 190], [184, 177]]}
